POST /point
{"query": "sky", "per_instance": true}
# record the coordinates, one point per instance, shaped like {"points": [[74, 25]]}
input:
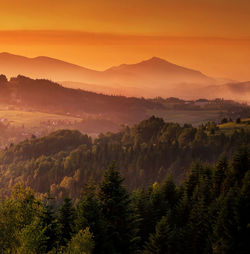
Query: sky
{"points": [[212, 36]]}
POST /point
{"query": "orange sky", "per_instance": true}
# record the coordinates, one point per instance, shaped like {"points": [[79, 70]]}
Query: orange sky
{"points": [[210, 35]]}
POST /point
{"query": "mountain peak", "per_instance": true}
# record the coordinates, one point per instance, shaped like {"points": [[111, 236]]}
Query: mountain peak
{"points": [[4, 53], [152, 62], [7, 54], [155, 59]]}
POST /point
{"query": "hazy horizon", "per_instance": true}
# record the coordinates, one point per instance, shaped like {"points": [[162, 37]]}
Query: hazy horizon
{"points": [[210, 36]]}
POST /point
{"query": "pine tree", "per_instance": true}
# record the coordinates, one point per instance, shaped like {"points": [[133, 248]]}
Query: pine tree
{"points": [[66, 219], [160, 241], [219, 175], [89, 214], [193, 180], [169, 193], [49, 226], [116, 208], [241, 162], [245, 213], [143, 209], [228, 230], [199, 235]]}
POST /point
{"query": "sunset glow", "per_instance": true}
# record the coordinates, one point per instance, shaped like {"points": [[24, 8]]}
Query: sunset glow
{"points": [[124, 126], [211, 36]]}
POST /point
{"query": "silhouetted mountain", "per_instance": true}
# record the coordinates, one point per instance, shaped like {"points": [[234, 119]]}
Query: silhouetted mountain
{"points": [[139, 79], [42, 67], [159, 69]]}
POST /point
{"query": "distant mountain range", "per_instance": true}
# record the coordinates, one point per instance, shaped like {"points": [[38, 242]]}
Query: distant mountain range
{"points": [[149, 78]]}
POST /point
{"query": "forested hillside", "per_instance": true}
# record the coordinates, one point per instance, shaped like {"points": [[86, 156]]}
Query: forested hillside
{"points": [[64, 161], [208, 213], [48, 96]]}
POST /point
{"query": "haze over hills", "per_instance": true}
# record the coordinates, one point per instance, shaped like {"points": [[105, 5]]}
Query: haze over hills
{"points": [[239, 91], [150, 78], [144, 76]]}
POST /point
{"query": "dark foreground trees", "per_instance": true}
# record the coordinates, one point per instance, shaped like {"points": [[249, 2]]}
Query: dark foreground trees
{"points": [[208, 213]]}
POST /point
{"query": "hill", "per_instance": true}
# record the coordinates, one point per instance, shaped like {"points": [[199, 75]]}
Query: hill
{"points": [[65, 160], [46, 96]]}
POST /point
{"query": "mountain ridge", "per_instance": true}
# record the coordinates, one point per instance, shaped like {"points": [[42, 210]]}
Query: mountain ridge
{"points": [[160, 71], [148, 78]]}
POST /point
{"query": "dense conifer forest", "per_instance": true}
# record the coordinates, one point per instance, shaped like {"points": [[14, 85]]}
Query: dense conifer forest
{"points": [[207, 213]]}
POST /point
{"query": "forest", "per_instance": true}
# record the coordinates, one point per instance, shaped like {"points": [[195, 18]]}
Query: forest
{"points": [[64, 161], [207, 213]]}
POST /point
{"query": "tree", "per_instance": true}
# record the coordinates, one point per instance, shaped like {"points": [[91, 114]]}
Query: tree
{"points": [[115, 205], [66, 219], [219, 175], [81, 243], [193, 179], [16, 213], [49, 226], [89, 214], [241, 162], [224, 120], [143, 209], [232, 229], [199, 233], [32, 238], [159, 242], [3, 79]]}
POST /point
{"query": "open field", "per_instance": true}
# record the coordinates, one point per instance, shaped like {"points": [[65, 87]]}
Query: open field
{"points": [[232, 126], [32, 119], [194, 117]]}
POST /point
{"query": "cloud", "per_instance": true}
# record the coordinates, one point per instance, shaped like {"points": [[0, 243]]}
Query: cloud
{"points": [[60, 37]]}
